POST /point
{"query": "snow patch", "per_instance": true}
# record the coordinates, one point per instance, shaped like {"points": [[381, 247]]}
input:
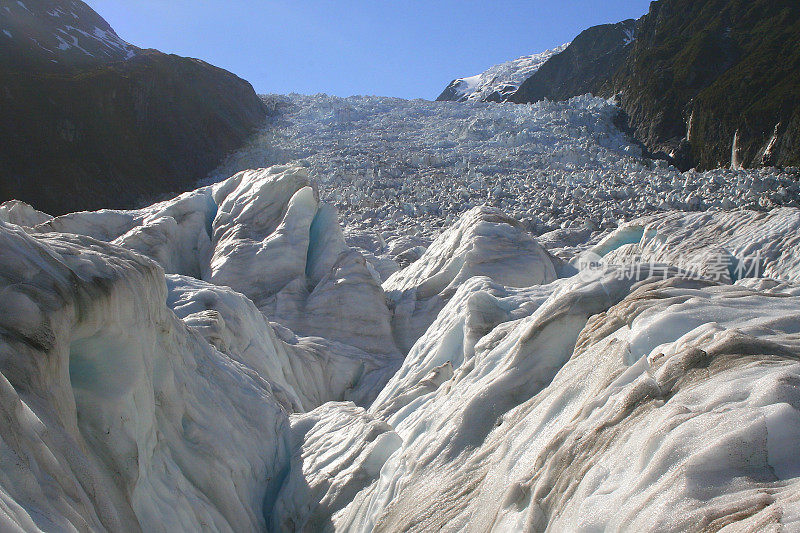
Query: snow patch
{"points": [[502, 79]]}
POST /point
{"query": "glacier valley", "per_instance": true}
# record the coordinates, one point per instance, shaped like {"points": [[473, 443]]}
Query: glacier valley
{"points": [[389, 315]]}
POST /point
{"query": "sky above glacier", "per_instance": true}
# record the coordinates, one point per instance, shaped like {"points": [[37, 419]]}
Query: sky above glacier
{"points": [[409, 49]]}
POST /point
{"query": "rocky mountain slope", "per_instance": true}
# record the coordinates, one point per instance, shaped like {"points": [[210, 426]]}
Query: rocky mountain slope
{"points": [[706, 83], [58, 35], [82, 110], [583, 67]]}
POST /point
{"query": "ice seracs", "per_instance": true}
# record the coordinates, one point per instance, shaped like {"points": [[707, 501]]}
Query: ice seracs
{"points": [[272, 393], [116, 416], [304, 372], [275, 244], [232, 359], [411, 168]]}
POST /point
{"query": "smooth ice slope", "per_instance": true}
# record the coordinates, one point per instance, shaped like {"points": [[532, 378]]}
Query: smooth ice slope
{"points": [[116, 416]]}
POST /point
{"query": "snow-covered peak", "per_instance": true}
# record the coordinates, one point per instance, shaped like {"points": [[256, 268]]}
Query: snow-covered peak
{"points": [[65, 32], [499, 80]]}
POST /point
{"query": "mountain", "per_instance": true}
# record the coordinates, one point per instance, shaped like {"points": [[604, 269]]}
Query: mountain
{"points": [[498, 82], [57, 35], [718, 80], [582, 67], [82, 110], [707, 83]]}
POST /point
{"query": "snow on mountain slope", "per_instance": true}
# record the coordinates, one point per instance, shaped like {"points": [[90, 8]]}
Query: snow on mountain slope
{"points": [[64, 32], [497, 81]]}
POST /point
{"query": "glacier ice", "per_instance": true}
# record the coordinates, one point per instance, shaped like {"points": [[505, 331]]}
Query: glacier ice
{"points": [[305, 372], [664, 407], [234, 360], [484, 242], [405, 167], [116, 416], [325, 473], [273, 243], [745, 243]]}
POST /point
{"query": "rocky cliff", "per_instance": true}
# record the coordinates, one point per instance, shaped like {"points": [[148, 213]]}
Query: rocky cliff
{"points": [[583, 67], [716, 82], [707, 83], [90, 121]]}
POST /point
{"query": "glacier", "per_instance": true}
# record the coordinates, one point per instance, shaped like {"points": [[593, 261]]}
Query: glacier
{"points": [[261, 354], [401, 171]]}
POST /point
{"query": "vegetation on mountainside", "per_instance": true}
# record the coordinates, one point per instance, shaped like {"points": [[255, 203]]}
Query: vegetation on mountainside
{"points": [[719, 66]]}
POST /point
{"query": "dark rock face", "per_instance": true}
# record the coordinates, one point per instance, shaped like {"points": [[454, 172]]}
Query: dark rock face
{"points": [[56, 35], [89, 121], [701, 71], [699, 75], [451, 93], [583, 67]]}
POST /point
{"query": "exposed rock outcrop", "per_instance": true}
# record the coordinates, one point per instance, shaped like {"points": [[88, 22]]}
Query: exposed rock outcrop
{"points": [[82, 110]]}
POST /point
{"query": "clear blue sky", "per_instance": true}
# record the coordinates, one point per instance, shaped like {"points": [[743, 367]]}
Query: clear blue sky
{"points": [[410, 49]]}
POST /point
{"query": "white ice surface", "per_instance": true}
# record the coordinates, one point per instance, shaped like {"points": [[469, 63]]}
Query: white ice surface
{"points": [[676, 408], [527, 401], [730, 245], [484, 242], [260, 384], [115, 415], [410, 168], [504, 78]]}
